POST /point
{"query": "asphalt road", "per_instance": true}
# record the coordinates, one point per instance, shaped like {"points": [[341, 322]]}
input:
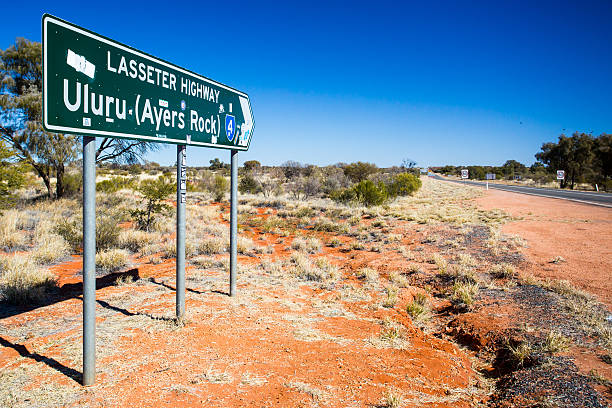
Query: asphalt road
{"points": [[600, 199]]}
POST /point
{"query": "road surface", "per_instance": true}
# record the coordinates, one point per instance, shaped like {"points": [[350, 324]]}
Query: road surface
{"points": [[601, 199]]}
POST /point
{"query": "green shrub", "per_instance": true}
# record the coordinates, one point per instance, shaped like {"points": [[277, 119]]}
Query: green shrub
{"points": [[220, 187], [404, 184], [370, 194], [72, 231], [114, 184], [343, 196], [248, 184], [73, 184], [153, 192]]}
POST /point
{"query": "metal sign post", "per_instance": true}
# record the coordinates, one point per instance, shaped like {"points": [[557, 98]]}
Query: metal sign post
{"points": [[98, 87], [181, 199], [89, 260], [233, 221], [560, 177]]}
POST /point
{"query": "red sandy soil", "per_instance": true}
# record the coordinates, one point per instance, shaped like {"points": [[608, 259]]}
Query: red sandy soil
{"points": [[287, 343], [581, 234], [273, 345]]}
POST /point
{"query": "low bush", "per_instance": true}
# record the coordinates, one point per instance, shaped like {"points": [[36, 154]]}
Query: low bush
{"points": [[73, 183], [248, 184], [153, 192], [107, 231], [220, 187], [114, 184]]}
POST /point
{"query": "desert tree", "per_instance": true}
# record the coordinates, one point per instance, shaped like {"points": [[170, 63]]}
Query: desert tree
{"points": [[359, 171], [11, 173], [572, 154], [21, 121]]}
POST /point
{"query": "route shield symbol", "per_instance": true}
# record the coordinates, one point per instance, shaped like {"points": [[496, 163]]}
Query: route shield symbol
{"points": [[230, 127]]}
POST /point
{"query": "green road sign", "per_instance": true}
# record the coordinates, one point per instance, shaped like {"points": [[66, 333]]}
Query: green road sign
{"points": [[97, 86]]}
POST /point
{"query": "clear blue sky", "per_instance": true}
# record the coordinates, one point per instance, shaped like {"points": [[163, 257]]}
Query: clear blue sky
{"points": [[438, 82]]}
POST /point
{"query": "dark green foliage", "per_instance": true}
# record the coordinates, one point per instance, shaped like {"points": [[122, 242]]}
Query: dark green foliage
{"points": [[153, 192], [580, 156], [344, 196], [359, 171], [11, 174], [248, 184], [73, 184], [251, 165], [21, 112], [370, 194], [216, 164]]}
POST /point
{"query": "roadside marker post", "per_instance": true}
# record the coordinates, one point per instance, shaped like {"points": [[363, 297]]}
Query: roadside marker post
{"points": [[233, 220], [181, 199], [98, 87], [89, 260]]}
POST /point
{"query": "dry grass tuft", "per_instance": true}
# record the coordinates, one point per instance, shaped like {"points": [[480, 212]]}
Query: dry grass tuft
{"points": [[319, 271], [464, 292], [391, 336], [314, 393], [392, 399], [10, 237], [503, 271], [399, 279], [309, 245], [521, 353], [111, 260], [391, 297], [135, 240], [419, 307], [556, 342], [50, 248], [252, 379], [211, 246], [22, 282], [368, 274]]}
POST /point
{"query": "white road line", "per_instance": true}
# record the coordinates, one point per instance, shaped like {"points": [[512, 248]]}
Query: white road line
{"points": [[559, 198], [495, 186]]}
